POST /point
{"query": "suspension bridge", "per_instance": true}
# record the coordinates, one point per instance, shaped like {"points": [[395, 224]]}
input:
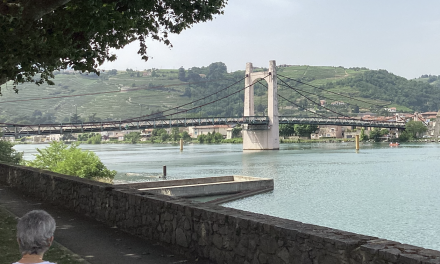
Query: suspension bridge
{"points": [[259, 131]]}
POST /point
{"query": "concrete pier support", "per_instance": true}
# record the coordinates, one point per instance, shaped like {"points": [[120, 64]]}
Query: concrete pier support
{"points": [[258, 137], [437, 126]]}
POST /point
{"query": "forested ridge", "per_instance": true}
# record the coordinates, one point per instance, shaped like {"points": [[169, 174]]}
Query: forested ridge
{"points": [[151, 93], [382, 85]]}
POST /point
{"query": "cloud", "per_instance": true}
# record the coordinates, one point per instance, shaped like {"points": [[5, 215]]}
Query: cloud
{"points": [[399, 36]]}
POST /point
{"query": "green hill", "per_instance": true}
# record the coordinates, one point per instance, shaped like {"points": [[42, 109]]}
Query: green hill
{"points": [[116, 95]]}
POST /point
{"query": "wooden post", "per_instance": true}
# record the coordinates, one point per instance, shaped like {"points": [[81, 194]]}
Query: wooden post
{"points": [[357, 142], [164, 171], [181, 144]]}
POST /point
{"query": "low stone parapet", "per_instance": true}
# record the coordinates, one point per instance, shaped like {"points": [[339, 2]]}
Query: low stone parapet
{"points": [[223, 235]]}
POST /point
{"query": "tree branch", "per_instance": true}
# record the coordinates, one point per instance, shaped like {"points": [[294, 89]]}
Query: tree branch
{"points": [[36, 9], [9, 8]]}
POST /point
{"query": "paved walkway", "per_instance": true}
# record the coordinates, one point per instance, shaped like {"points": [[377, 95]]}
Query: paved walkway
{"points": [[92, 240]]}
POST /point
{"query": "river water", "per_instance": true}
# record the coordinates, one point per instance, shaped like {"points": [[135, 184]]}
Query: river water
{"points": [[391, 193]]}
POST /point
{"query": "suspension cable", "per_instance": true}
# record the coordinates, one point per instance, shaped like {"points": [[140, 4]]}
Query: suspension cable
{"points": [[347, 96], [307, 110], [320, 96], [221, 90], [302, 107], [239, 91], [313, 101]]}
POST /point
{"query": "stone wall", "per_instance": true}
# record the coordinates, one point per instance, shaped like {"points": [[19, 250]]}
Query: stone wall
{"points": [[221, 234]]}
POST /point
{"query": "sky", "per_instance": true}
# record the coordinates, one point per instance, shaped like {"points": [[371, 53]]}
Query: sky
{"points": [[400, 36]]}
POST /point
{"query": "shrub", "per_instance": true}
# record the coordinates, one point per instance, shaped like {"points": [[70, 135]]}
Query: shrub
{"points": [[8, 154], [71, 160], [133, 137]]}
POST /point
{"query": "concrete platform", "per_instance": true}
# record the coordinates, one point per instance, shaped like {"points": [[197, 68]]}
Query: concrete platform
{"points": [[200, 187]]}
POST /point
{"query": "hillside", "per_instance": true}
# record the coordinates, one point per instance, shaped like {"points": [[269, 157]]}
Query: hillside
{"points": [[116, 95]]}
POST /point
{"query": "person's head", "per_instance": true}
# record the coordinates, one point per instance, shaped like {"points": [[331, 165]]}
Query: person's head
{"points": [[35, 232]]}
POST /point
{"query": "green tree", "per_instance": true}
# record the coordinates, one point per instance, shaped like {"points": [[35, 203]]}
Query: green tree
{"points": [[384, 132], [304, 130], [209, 138], [71, 160], [67, 136], [415, 127], [83, 136], [185, 136], [8, 154], [236, 131], [133, 137], [95, 139], [187, 92], [39, 37], [164, 137], [218, 137], [158, 131], [216, 70], [201, 138], [362, 136], [153, 72], [182, 76], [375, 134], [287, 130], [404, 136], [175, 134], [355, 109]]}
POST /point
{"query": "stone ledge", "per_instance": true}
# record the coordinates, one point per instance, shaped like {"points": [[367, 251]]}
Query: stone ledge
{"points": [[208, 230]]}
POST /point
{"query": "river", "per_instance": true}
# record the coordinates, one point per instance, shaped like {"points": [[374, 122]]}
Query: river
{"points": [[391, 193]]}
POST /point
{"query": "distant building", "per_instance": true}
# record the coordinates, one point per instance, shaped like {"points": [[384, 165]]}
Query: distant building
{"points": [[337, 103], [329, 131], [8, 138], [194, 132], [429, 115], [391, 109], [115, 135], [322, 102], [146, 73]]}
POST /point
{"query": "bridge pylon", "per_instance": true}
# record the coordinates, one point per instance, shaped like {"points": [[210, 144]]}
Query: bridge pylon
{"points": [[261, 137]]}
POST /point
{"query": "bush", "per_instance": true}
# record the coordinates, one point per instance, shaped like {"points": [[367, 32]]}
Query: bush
{"points": [[96, 139], [210, 138], [71, 160], [8, 154], [133, 137], [236, 140]]}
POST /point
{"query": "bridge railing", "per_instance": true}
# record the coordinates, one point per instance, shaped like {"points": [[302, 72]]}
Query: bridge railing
{"points": [[254, 121], [16, 129], [339, 122]]}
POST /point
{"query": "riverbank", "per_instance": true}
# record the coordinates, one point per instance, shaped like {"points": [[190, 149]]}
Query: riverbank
{"points": [[235, 141]]}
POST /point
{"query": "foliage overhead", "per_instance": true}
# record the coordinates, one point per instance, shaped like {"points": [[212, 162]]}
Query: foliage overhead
{"points": [[41, 36], [71, 160]]}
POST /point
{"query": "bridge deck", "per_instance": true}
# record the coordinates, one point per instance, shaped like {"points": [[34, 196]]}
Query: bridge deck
{"points": [[45, 129]]}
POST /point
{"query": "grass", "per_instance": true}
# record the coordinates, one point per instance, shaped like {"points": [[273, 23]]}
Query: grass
{"points": [[9, 247]]}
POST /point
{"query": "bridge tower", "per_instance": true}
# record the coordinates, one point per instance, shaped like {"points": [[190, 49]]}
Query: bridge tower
{"points": [[261, 137], [437, 126]]}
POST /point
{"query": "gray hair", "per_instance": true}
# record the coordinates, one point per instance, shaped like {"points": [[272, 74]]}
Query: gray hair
{"points": [[34, 231]]}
